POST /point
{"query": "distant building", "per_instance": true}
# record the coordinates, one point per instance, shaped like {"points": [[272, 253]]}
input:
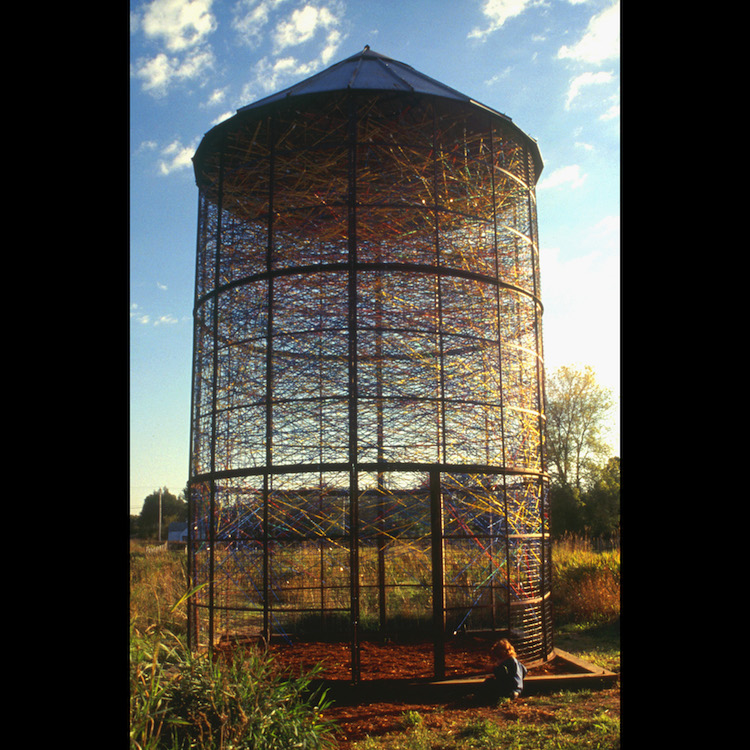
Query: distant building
{"points": [[177, 535]]}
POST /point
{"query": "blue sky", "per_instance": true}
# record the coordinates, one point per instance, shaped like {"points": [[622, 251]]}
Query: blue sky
{"points": [[551, 65]]}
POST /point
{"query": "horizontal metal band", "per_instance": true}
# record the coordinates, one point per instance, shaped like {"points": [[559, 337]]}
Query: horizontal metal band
{"points": [[424, 268], [375, 466]]}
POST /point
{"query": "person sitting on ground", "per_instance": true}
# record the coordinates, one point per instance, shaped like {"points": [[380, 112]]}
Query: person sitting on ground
{"points": [[508, 672]]}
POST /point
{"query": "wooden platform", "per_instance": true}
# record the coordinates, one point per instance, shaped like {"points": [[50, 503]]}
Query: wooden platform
{"points": [[581, 676], [576, 675]]}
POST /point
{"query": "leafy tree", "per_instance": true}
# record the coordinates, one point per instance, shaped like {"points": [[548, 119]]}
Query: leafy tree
{"points": [[172, 509], [601, 503], [566, 510], [577, 409]]}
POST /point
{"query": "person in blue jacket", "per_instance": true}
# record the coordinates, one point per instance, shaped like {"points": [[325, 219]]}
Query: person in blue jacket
{"points": [[508, 672]]}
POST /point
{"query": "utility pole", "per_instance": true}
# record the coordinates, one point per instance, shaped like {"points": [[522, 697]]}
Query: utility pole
{"points": [[160, 514]]}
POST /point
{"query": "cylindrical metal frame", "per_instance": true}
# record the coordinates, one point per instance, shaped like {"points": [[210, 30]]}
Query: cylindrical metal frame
{"points": [[368, 385]]}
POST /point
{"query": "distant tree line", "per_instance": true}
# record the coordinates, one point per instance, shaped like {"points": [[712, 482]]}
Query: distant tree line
{"points": [[585, 477], [173, 509]]}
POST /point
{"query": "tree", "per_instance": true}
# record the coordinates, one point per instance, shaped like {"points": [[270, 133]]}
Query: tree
{"points": [[577, 408], [566, 511], [601, 503], [172, 509]]}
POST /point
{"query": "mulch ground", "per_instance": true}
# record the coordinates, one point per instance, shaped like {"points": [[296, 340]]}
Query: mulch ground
{"points": [[464, 657], [468, 656]]}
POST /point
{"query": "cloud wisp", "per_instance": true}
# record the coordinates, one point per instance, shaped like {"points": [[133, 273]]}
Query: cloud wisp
{"points": [[302, 41], [570, 176], [601, 40], [180, 30], [497, 12]]}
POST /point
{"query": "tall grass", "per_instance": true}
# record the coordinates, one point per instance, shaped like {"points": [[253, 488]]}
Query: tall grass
{"points": [[158, 581], [189, 700], [585, 582], [180, 699]]}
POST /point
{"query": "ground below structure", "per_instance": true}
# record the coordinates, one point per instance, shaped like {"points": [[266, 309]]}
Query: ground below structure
{"points": [[396, 670]]}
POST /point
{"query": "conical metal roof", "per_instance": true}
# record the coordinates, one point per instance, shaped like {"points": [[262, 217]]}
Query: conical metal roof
{"points": [[367, 70]]}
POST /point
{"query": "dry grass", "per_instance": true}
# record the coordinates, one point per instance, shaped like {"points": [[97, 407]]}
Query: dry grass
{"points": [[585, 582], [158, 580]]}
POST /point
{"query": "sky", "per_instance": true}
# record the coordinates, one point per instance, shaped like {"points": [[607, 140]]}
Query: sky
{"points": [[552, 66]]}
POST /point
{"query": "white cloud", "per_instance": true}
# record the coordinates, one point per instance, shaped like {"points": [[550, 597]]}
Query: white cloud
{"points": [[270, 73], [217, 97], [304, 23], [182, 27], [500, 11], [146, 146], [309, 23], [250, 17], [601, 40], [196, 64], [223, 116], [176, 156], [180, 24], [570, 175], [333, 42], [156, 73], [504, 73], [612, 113], [301, 26], [161, 71], [247, 94], [144, 319], [583, 80], [138, 316]]}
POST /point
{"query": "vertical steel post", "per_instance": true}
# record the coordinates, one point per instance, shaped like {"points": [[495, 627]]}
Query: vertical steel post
{"points": [[267, 480], [382, 539], [214, 400], [540, 483], [442, 446], [192, 624], [353, 391], [501, 383], [438, 590]]}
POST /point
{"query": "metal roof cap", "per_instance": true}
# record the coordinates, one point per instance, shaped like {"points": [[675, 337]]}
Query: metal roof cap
{"points": [[367, 70]]}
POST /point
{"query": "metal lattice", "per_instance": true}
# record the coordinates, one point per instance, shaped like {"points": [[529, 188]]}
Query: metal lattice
{"points": [[367, 418]]}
